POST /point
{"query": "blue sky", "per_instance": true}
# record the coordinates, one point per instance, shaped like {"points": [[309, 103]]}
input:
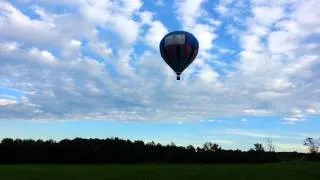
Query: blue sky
{"points": [[81, 68]]}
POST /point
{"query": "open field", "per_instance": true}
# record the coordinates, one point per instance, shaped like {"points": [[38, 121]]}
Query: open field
{"points": [[292, 171]]}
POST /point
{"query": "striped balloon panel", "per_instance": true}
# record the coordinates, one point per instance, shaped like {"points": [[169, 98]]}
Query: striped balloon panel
{"points": [[178, 57], [172, 56]]}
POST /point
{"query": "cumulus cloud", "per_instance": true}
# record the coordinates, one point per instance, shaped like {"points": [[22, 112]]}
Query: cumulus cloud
{"points": [[100, 61], [159, 2], [223, 7], [6, 102], [244, 120], [155, 33]]}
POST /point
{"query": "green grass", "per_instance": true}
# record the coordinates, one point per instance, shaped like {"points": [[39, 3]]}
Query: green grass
{"points": [[283, 171]]}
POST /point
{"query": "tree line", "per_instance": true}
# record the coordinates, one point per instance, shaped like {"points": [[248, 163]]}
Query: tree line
{"points": [[116, 150], [313, 148]]}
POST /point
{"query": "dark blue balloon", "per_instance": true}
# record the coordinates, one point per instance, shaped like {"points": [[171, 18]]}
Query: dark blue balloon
{"points": [[178, 49]]}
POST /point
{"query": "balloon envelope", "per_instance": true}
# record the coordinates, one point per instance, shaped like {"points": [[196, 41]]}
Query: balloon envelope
{"points": [[178, 49]]}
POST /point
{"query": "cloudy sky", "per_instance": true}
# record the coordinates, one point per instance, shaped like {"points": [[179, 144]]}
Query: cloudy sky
{"points": [[91, 68]]}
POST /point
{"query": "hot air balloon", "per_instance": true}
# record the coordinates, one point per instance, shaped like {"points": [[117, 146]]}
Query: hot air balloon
{"points": [[178, 49]]}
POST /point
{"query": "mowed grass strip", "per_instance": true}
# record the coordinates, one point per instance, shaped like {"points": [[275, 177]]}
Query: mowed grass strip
{"points": [[292, 171]]}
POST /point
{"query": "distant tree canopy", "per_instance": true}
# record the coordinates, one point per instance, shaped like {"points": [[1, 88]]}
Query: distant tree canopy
{"points": [[313, 144], [212, 147], [257, 147], [115, 150], [313, 148], [269, 145]]}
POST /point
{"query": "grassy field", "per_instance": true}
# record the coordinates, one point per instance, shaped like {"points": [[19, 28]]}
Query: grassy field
{"points": [[283, 171]]}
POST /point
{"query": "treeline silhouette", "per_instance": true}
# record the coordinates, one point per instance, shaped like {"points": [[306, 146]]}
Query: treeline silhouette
{"points": [[116, 150]]}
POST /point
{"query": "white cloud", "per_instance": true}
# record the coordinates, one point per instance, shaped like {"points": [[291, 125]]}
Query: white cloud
{"points": [[208, 75], [258, 112], [126, 28], [252, 43], [296, 115], [281, 42], [189, 11], [232, 30], [205, 36], [155, 33], [267, 15], [302, 65], [244, 120], [159, 2], [18, 27], [312, 111], [262, 135], [271, 95], [7, 102], [75, 43], [42, 55], [307, 15], [290, 147], [226, 51], [214, 22], [146, 17], [211, 120], [221, 141], [100, 48], [9, 46], [222, 8], [96, 54]]}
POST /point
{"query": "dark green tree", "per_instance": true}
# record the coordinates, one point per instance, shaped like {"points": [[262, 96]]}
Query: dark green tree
{"points": [[211, 147], [313, 145], [257, 147]]}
